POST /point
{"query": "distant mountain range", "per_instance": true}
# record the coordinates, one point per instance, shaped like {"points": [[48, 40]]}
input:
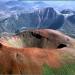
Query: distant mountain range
{"points": [[17, 16]]}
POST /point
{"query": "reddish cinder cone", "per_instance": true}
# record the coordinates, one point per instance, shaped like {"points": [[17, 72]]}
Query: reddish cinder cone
{"points": [[56, 51]]}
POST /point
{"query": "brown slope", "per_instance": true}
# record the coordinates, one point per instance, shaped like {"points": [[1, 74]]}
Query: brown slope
{"points": [[30, 60], [41, 38]]}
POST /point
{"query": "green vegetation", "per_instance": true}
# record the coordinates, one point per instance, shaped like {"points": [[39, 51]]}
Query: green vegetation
{"points": [[67, 69], [47, 70]]}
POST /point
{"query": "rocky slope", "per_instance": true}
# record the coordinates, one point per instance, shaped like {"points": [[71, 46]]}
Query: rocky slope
{"points": [[42, 38], [18, 15], [56, 55]]}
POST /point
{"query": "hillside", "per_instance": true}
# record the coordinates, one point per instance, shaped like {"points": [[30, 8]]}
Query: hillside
{"points": [[56, 56]]}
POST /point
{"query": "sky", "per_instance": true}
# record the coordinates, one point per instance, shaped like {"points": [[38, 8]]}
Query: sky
{"points": [[36, 0], [7, 0], [59, 4]]}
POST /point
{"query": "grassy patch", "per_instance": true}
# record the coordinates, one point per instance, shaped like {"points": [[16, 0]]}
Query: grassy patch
{"points": [[67, 69]]}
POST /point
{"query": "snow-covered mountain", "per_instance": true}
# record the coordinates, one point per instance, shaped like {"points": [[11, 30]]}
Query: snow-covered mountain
{"points": [[20, 15]]}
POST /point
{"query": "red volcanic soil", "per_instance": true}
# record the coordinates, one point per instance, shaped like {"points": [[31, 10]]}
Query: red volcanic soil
{"points": [[29, 60]]}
